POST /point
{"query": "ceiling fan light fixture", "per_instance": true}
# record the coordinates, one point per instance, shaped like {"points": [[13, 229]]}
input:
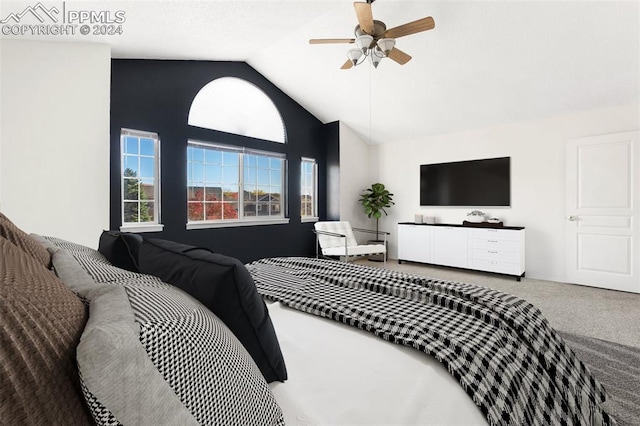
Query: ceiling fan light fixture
{"points": [[363, 42], [354, 55], [376, 57], [386, 45]]}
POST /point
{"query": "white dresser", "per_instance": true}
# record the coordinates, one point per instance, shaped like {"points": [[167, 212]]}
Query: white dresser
{"points": [[500, 250]]}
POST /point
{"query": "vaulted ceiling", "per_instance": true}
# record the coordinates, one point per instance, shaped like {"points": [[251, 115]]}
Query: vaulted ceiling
{"points": [[485, 63]]}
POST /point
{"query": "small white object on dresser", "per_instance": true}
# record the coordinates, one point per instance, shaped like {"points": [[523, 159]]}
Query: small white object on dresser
{"points": [[492, 249]]}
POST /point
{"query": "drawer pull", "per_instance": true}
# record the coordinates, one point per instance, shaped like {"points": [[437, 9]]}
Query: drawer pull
{"points": [[492, 241], [490, 251]]}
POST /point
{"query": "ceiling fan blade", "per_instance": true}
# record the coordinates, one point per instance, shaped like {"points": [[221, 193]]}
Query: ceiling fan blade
{"points": [[331, 40], [347, 65], [420, 25], [399, 56], [365, 16]]}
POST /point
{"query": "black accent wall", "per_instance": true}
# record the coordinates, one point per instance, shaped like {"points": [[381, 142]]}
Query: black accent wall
{"points": [[155, 96]]}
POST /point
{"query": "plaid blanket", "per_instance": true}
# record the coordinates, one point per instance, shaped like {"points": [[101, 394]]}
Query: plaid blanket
{"points": [[499, 347]]}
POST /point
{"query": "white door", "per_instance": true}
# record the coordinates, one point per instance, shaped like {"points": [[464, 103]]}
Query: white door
{"points": [[603, 211]]}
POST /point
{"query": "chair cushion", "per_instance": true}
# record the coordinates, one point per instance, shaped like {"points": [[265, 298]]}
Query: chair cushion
{"points": [[338, 227], [223, 285], [361, 250], [41, 322]]}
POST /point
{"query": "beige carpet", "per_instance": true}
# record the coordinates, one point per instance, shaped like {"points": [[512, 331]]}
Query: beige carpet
{"points": [[603, 314]]}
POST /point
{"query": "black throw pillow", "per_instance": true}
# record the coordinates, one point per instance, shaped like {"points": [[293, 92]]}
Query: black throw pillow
{"points": [[225, 286], [121, 249]]}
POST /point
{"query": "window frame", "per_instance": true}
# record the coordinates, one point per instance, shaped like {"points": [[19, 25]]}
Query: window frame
{"points": [[242, 220], [151, 226], [314, 189]]}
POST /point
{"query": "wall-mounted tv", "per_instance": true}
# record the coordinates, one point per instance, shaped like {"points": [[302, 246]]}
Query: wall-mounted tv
{"points": [[481, 183]]}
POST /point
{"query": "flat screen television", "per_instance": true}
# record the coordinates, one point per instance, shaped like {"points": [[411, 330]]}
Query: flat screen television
{"points": [[481, 183]]}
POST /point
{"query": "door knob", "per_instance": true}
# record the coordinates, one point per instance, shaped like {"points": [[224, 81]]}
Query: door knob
{"points": [[573, 218]]}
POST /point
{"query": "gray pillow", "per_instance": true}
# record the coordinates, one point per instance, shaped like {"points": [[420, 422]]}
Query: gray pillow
{"points": [[151, 354]]}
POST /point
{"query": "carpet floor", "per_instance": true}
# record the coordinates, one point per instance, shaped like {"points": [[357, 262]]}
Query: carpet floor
{"points": [[618, 369]]}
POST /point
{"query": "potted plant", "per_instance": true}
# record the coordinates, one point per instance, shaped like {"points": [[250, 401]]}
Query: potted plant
{"points": [[375, 200]]}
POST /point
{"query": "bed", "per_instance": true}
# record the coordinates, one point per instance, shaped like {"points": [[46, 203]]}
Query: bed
{"points": [[195, 343], [499, 348]]}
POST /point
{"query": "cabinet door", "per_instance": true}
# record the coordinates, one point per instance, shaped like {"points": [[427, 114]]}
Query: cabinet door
{"points": [[449, 246], [414, 243]]}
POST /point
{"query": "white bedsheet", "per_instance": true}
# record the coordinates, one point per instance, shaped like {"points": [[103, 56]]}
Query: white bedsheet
{"points": [[340, 375]]}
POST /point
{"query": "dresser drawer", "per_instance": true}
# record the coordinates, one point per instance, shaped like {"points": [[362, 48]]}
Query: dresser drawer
{"points": [[496, 266], [495, 234], [494, 244], [494, 254]]}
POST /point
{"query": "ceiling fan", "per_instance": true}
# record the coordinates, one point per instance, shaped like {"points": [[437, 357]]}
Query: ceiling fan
{"points": [[374, 40]]}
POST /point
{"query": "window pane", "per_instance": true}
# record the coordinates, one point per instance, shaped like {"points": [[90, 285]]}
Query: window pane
{"points": [[230, 158], [196, 210], [213, 174], [233, 105], [250, 160], [147, 165], [130, 189], [213, 211], [230, 194], [229, 210], [131, 145], [147, 211], [197, 172], [250, 176], [276, 163], [131, 165], [276, 177], [131, 211], [213, 156], [263, 177], [197, 154], [263, 162], [230, 175], [213, 194], [195, 194], [147, 147]]}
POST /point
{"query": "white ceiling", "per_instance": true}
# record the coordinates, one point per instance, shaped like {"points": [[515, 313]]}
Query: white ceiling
{"points": [[485, 63]]}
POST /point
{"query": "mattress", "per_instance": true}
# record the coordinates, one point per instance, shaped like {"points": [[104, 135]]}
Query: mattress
{"points": [[341, 375]]}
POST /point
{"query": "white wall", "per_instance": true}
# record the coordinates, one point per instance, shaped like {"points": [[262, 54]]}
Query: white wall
{"points": [[537, 151], [356, 173], [54, 168]]}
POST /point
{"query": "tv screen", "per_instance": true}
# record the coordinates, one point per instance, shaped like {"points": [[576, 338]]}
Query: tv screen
{"points": [[481, 183]]}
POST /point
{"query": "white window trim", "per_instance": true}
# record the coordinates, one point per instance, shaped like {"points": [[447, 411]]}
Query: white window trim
{"points": [[314, 218], [248, 220], [236, 223], [153, 227], [156, 225]]}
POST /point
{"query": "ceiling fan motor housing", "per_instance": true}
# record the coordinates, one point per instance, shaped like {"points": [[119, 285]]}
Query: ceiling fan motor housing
{"points": [[379, 28]]}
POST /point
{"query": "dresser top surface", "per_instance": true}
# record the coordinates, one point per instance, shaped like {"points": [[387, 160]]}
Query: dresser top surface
{"points": [[484, 225]]}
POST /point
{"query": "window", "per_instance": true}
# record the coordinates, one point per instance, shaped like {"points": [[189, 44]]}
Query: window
{"points": [[233, 105], [140, 180], [308, 189], [229, 185]]}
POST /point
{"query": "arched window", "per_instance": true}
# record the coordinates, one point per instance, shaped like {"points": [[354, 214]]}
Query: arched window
{"points": [[233, 105]]}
